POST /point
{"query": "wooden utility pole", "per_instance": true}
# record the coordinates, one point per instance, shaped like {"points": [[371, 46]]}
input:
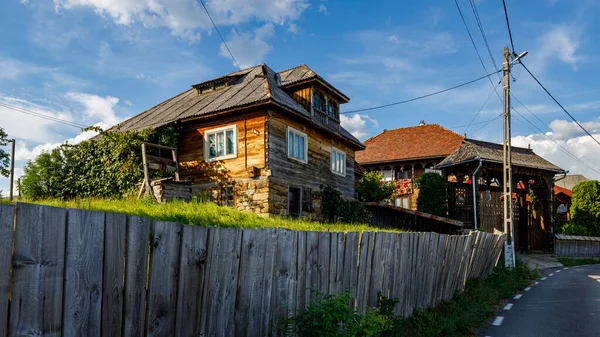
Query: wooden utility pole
{"points": [[12, 169], [509, 252]]}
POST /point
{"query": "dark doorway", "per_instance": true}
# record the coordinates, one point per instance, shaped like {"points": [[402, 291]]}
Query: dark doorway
{"points": [[295, 202]]}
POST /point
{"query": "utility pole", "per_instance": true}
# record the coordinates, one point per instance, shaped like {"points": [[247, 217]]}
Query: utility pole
{"points": [[12, 169], [509, 249]]}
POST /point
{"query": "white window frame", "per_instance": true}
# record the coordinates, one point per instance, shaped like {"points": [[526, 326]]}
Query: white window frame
{"points": [[335, 149], [287, 140], [223, 130]]}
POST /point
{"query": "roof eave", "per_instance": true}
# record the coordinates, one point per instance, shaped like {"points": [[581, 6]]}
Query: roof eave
{"points": [[402, 160]]}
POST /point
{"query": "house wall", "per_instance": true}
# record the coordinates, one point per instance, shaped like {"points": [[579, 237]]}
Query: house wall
{"points": [[316, 172], [250, 150]]}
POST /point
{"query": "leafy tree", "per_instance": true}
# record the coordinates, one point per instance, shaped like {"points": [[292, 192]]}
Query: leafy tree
{"points": [[433, 194], [4, 156], [585, 208], [108, 166], [335, 208], [371, 188]]}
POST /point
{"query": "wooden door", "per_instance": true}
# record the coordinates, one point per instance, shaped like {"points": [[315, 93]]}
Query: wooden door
{"points": [[295, 202]]}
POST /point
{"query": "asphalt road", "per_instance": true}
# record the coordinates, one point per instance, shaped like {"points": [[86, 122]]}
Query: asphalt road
{"points": [[566, 302]]}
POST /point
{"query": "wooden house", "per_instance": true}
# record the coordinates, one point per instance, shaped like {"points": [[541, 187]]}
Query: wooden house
{"points": [[404, 154], [260, 140]]}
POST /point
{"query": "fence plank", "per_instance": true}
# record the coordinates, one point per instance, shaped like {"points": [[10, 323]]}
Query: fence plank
{"points": [[163, 278], [364, 269], [191, 280], [136, 268], [350, 277], [284, 276], [312, 265], [83, 283], [38, 269], [115, 229], [223, 264], [301, 275], [323, 260], [7, 213], [251, 281]]}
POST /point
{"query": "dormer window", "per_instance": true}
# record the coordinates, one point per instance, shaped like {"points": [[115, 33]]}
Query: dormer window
{"points": [[325, 104], [207, 87]]}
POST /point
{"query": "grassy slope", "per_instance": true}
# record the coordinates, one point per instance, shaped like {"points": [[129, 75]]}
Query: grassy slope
{"points": [[467, 312], [572, 261], [202, 214]]}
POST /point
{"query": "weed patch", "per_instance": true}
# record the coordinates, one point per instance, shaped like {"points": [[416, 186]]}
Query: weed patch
{"points": [[575, 261]]}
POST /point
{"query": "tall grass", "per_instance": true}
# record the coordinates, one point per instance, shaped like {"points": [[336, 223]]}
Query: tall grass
{"points": [[203, 213]]}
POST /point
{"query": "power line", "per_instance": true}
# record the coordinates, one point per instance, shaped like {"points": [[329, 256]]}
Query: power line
{"points": [[553, 141], [39, 115], [487, 123], [480, 109], [218, 32], [423, 96], [475, 46], [508, 26], [560, 105], [478, 123], [483, 35]]}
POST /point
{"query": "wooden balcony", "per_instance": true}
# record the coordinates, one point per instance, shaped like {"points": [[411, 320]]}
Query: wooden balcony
{"points": [[326, 120]]}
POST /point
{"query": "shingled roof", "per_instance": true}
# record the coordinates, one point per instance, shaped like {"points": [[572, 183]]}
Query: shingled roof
{"points": [[303, 73], [471, 149], [248, 87], [417, 142]]}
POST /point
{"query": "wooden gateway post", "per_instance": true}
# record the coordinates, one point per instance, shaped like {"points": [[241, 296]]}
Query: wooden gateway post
{"points": [[157, 163]]}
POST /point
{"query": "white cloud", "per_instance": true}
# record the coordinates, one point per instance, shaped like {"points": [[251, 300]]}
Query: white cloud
{"points": [[23, 152], [249, 49], [561, 42], [185, 17], [293, 28], [322, 9], [97, 108], [14, 69], [358, 124], [582, 148]]}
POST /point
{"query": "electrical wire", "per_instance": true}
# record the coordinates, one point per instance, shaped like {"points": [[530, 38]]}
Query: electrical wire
{"points": [[218, 32], [560, 105], [480, 109], [423, 96], [487, 123], [478, 123], [483, 35], [508, 26], [39, 115]]}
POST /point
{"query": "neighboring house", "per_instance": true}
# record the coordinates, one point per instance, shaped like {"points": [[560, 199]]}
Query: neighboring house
{"points": [[562, 203], [533, 182], [260, 140], [569, 181], [404, 154]]}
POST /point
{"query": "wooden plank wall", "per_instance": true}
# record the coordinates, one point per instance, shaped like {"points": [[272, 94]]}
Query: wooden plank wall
{"points": [[85, 273], [577, 246]]}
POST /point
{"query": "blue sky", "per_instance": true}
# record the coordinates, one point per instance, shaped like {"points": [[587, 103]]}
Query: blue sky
{"points": [[97, 62]]}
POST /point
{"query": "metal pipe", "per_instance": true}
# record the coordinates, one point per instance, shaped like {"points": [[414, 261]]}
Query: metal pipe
{"points": [[12, 170], [474, 182]]}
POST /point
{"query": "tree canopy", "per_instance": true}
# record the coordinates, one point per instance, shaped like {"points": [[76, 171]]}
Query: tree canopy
{"points": [[433, 194], [585, 207], [4, 156], [371, 187]]}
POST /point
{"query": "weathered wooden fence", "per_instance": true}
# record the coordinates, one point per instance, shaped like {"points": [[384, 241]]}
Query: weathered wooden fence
{"points": [[388, 216], [66, 272], [576, 246]]}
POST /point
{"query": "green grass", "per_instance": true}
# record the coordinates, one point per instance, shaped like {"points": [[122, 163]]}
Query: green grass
{"points": [[575, 261], [203, 214], [467, 312]]}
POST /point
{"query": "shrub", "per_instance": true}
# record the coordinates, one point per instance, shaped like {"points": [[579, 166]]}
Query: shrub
{"points": [[337, 209], [108, 166], [585, 207], [371, 189], [329, 315], [4, 156], [574, 229], [433, 194]]}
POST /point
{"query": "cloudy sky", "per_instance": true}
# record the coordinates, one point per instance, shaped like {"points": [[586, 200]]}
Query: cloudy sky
{"points": [[97, 62]]}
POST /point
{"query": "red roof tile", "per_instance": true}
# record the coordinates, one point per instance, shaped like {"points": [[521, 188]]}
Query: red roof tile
{"points": [[567, 192], [414, 142]]}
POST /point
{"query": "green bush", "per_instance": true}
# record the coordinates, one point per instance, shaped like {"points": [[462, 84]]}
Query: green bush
{"points": [[337, 209], [433, 194], [371, 189], [108, 166], [574, 229], [329, 315], [585, 207], [4, 156]]}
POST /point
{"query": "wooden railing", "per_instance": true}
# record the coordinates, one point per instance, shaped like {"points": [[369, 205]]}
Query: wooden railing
{"points": [[326, 120]]}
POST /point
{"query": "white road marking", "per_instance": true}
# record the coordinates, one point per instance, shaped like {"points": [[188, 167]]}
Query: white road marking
{"points": [[543, 278], [498, 321], [528, 288], [565, 268], [508, 306], [551, 274], [518, 296], [536, 283], [558, 271]]}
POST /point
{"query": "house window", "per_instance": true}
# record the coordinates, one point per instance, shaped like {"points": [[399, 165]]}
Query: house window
{"points": [[338, 162], [333, 108], [297, 145], [319, 101], [227, 196], [401, 202], [220, 143]]}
